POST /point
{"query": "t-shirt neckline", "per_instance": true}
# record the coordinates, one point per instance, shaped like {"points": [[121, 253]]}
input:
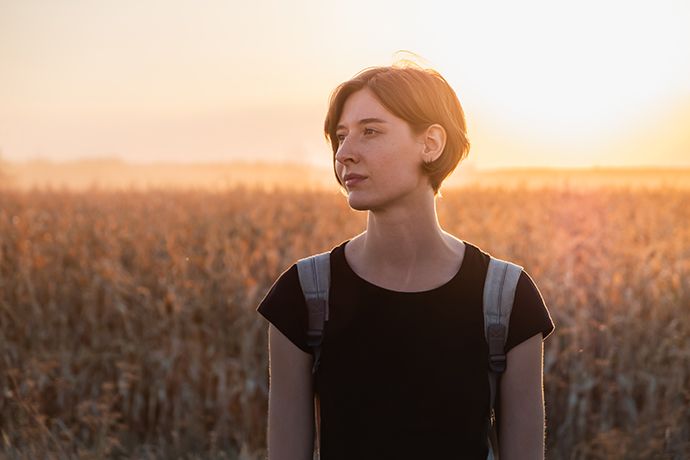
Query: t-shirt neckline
{"points": [[341, 254]]}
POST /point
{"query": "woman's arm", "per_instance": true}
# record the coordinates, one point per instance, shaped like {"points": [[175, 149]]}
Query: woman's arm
{"points": [[290, 400], [521, 432]]}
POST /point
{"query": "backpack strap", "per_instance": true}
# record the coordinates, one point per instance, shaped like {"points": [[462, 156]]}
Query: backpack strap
{"points": [[499, 293], [315, 279]]}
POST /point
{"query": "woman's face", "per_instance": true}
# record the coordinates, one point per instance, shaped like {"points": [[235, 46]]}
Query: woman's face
{"points": [[381, 148]]}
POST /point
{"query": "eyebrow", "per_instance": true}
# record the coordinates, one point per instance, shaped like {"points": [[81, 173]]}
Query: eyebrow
{"points": [[364, 121]]}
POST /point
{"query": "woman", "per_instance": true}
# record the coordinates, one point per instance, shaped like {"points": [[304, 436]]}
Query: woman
{"points": [[403, 367]]}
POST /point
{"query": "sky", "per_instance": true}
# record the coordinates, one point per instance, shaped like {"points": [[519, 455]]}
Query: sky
{"points": [[542, 83]]}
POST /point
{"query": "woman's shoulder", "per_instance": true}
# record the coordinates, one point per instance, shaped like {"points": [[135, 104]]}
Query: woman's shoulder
{"points": [[530, 314], [285, 308], [285, 289], [284, 304], [289, 278], [486, 255]]}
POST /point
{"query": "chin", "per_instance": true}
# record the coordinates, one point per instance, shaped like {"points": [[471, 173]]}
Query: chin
{"points": [[358, 202], [358, 205]]}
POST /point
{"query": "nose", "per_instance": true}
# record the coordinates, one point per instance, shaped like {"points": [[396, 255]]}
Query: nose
{"points": [[345, 152]]}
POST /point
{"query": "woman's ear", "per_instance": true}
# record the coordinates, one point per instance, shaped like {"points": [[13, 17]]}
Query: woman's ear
{"points": [[434, 139]]}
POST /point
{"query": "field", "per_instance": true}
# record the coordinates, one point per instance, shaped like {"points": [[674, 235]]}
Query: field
{"points": [[128, 329]]}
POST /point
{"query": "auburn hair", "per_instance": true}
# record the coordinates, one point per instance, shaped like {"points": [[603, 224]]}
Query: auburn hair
{"points": [[417, 95]]}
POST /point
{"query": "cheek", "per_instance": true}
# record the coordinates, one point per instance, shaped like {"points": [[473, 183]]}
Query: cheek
{"points": [[401, 159]]}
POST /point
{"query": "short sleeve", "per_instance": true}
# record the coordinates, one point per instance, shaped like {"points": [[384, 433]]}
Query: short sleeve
{"points": [[529, 315], [285, 308]]}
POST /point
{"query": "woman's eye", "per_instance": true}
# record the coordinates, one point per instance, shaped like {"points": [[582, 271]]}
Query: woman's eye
{"points": [[340, 137], [369, 130]]}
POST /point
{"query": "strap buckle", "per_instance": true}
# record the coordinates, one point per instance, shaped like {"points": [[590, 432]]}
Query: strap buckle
{"points": [[497, 363], [497, 356]]}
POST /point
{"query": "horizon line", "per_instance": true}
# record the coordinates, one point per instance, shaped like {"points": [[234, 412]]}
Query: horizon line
{"points": [[283, 163]]}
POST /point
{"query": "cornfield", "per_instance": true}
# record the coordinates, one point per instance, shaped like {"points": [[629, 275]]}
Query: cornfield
{"points": [[128, 325]]}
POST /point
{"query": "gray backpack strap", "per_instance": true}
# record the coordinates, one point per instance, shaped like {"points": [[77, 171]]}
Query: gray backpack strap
{"points": [[499, 293], [315, 279]]}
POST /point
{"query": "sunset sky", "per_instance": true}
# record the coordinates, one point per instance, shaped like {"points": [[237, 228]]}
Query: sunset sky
{"points": [[543, 83]]}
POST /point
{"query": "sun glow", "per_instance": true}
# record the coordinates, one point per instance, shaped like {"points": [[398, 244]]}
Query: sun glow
{"points": [[543, 83], [568, 80]]}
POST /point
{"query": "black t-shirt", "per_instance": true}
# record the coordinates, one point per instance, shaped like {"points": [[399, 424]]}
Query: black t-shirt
{"points": [[403, 375]]}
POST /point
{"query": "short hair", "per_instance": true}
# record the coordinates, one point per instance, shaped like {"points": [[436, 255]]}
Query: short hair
{"points": [[421, 97]]}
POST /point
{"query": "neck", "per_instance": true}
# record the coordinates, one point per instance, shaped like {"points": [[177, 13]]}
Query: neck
{"points": [[405, 236]]}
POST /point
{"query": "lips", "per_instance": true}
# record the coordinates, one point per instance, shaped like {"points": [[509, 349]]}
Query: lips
{"points": [[352, 176], [351, 179]]}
